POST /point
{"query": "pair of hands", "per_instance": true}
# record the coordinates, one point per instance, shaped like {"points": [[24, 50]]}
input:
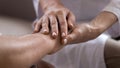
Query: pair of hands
{"points": [[56, 20]]}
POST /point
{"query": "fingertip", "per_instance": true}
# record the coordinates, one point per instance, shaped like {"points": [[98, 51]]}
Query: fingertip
{"points": [[35, 31], [69, 39], [63, 35], [65, 41], [54, 35], [71, 26], [44, 31], [37, 28]]}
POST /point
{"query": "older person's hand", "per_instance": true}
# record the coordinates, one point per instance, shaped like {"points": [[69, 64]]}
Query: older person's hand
{"points": [[87, 31], [56, 17], [83, 32]]}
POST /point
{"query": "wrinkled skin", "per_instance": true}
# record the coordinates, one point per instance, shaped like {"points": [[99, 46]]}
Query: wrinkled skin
{"points": [[88, 31], [56, 19]]}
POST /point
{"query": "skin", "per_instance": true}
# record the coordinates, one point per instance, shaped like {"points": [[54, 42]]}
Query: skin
{"points": [[24, 51], [87, 31], [54, 13], [62, 20]]}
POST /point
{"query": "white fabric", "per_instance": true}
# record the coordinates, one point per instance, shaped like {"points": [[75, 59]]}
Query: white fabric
{"points": [[84, 55], [83, 9], [114, 7]]}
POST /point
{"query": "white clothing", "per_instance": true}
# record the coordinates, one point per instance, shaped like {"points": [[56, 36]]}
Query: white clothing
{"points": [[83, 55], [114, 7], [83, 9]]}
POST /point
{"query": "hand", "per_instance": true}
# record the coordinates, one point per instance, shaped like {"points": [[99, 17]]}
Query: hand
{"points": [[58, 18], [82, 33], [24, 51], [56, 45]]}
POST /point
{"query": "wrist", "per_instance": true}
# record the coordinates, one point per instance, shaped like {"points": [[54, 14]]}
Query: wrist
{"points": [[42, 41], [88, 32], [50, 5], [104, 20]]}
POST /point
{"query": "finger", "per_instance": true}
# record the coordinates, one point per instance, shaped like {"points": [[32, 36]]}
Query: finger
{"points": [[71, 20], [54, 26], [45, 25], [70, 38], [63, 24], [34, 23], [37, 26]]}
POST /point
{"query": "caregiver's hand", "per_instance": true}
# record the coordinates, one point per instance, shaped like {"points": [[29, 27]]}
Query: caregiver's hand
{"points": [[56, 17], [87, 31], [82, 33]]}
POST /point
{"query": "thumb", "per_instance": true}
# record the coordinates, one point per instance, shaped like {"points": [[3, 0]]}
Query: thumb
{"points": [[71, 38]]}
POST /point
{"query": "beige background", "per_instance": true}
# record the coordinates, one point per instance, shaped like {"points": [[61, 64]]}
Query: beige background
{"points": [[12, 26], [17, 8], [16, 17]]}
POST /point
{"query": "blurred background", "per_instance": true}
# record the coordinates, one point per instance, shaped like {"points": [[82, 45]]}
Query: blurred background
{"points": [[16, 17], [22, 9]]}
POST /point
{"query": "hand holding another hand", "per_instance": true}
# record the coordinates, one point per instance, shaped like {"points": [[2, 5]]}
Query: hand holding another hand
{"points": [[56, 19], [82, 33]]}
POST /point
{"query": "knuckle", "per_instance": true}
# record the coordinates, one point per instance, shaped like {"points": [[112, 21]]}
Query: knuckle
{"points": [[70, 38], [51, 16], [44, 18], [36, 29], [60, 12], [39, 21], [53, 23], [55, 29], [50, 13], [63, 23]]}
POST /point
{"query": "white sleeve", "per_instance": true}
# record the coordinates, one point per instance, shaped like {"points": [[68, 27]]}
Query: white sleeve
{"points": [[36, 4], [114, 7], [37, 8]]}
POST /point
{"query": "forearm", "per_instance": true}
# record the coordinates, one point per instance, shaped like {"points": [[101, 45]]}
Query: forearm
{"points": [[19, 49], [49, 4], [99, 24], [104, 20]]}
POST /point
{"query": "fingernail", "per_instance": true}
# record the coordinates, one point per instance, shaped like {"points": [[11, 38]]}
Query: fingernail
{"points": [[44, 31], [65, 41], [54, 34], [35, 31], [63, 34]]}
